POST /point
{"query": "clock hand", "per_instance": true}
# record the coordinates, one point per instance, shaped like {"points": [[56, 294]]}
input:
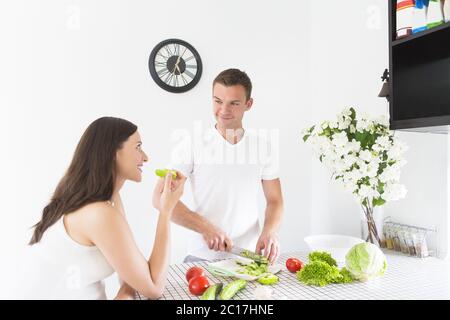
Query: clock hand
{"points": [[184, 52], [176, 64]]}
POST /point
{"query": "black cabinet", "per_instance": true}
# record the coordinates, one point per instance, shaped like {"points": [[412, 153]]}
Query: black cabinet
{"points": [[419, 81]]}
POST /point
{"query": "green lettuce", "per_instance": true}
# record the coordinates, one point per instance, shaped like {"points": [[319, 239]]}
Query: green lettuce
{"points": [[318, 273], [322, 270], [365, 261], [322, 256]]}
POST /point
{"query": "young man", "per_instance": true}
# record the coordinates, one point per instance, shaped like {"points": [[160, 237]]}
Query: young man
{"points": [[227, 168]]}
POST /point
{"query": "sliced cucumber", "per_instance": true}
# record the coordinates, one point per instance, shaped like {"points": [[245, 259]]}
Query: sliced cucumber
{"points": [[163, 172], [268, 279]]}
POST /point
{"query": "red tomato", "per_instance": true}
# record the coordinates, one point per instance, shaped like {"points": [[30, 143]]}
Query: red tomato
{"points": [[194, 272], [294, 264], [198, 285]]}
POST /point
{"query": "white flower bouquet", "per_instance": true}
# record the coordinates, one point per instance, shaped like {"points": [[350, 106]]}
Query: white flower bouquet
{"points": [[365, 156]]}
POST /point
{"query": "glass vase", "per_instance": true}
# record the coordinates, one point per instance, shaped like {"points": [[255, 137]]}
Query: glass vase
{"points": [[371, 225]]}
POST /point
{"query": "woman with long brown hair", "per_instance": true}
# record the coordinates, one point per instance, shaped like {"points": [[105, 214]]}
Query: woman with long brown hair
{"points": [[83, 235]]}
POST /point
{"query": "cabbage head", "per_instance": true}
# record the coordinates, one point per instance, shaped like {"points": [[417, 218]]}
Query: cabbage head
{"points": [[365, 261]]}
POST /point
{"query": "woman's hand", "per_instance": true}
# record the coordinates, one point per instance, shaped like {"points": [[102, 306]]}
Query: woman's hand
{"points": [[124, 296], [125, 293], [168, 192]]}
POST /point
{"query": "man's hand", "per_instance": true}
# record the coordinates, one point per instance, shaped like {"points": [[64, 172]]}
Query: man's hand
{"points": [[269, 243], [216, 239]]}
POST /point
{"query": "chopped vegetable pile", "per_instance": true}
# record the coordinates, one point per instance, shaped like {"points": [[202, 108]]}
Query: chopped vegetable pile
{"points": [[252, 268], [260, 271]]}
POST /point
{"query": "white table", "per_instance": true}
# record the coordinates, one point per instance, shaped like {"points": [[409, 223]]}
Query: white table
{"points": [[405, 278]]}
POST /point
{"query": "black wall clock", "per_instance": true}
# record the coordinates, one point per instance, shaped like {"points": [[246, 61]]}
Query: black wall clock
{"points": [[175, 65]]}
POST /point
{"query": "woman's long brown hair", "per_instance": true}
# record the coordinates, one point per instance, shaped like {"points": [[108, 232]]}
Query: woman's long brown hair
{"points": [[91, 174]]}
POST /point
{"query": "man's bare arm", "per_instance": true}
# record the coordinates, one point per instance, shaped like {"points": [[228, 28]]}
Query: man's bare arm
{"points": [[214, 237]]}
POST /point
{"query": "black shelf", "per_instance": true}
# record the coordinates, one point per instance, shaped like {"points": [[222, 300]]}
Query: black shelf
{"points": [[419, 78], [430, 124], [427, 32]]}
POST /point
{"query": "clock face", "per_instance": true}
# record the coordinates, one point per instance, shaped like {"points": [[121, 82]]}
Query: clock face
{"points": [[175, 65]]}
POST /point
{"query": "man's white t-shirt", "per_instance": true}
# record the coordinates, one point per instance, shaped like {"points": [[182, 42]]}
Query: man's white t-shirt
{"points": [[225, 181]]}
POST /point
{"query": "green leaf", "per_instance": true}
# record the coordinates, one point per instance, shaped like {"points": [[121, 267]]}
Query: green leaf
{"points": [[353, 115], [327, 132], [380, 187], [378, 201], [381, 167], [371, 140], [310, 130], [362, 138], [365, 181]]}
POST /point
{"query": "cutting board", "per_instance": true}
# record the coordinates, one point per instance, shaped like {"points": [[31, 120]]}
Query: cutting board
{"points": [[229, 268]]}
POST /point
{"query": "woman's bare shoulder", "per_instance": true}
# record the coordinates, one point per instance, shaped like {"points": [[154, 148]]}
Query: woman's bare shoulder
{"points": [[91, 219], [99, 212]]}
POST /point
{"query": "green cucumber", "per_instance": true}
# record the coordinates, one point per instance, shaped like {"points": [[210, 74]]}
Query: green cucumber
{"points": [[232, 288], [257, 258], [212, 292], [268, 279], [163, 172]]}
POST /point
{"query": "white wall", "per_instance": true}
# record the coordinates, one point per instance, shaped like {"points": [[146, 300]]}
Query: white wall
{"points": [[65, 63], [348, 55], [61, 76], [426, 179]]}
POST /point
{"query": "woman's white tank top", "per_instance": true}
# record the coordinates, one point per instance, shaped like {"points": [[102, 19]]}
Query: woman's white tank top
{"points": [[57, 267]]}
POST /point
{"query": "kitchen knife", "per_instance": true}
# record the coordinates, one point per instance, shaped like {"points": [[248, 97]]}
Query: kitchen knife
{"points": [[259, 259]]}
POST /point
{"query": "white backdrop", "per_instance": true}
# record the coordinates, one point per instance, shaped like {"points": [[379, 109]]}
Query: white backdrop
{"points": [[65, 63]]}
